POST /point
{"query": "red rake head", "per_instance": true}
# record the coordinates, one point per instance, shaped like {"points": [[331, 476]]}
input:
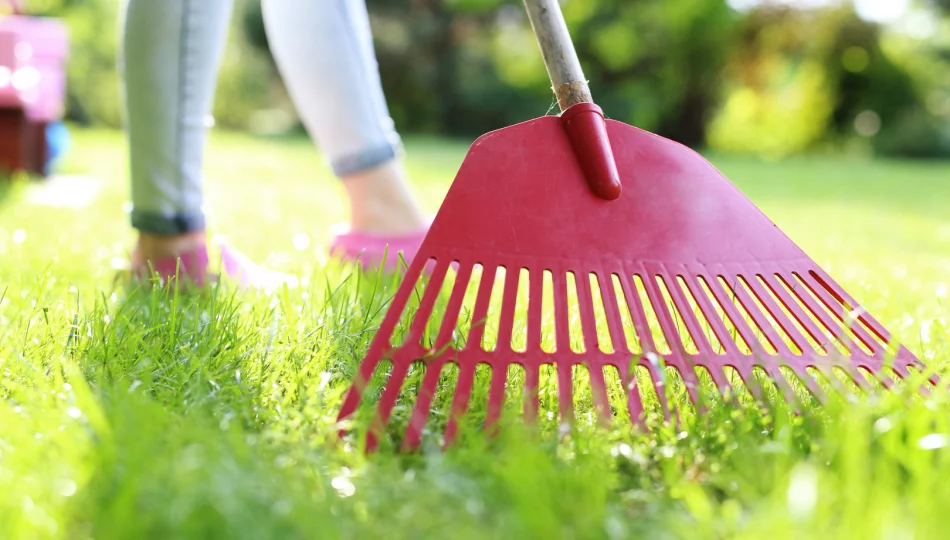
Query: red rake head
{"points": [[700, 275]]}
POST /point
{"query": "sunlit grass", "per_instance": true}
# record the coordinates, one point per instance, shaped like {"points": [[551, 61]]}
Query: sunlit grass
{"points": [[128, 413]]}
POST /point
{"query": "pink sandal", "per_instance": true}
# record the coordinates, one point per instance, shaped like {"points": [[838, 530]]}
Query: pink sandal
{"points": [[193, 266], [370, 249], [189, 266]]}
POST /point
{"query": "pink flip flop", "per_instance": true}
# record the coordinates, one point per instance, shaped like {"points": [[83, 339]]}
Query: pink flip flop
{"points": [[238, 266], [370, 249], [193, 266], [189, 266]]}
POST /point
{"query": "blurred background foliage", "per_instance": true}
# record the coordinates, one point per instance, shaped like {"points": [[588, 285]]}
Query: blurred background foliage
{"points": [[771, 77]]}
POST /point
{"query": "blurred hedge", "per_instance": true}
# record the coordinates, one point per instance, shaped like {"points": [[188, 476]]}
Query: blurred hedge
{"points": [[802, 79], [771, 80], [470, 66]]}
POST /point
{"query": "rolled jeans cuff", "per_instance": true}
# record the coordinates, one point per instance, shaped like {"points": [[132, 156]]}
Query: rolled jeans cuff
{"points": [[152, 223], [365, 159]]}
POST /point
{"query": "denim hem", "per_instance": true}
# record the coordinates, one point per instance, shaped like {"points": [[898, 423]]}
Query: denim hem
{"points": [[367, 159], [161, 224]]}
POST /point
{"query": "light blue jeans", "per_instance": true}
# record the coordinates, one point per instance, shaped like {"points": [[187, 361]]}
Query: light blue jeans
{"points": [[171, 50]]}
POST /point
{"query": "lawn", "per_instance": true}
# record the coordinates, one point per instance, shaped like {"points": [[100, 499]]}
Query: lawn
{"points": [[127, 414]]}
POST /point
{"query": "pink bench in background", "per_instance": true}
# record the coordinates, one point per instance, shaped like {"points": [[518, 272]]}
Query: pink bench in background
{"points": [[33, 52]]}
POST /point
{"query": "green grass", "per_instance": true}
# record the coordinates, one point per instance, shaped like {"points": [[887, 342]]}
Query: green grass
{"points": [[130, 414]]}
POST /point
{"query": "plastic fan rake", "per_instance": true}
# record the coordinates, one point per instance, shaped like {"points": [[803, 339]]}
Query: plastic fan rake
{"points": [[679, 265]]}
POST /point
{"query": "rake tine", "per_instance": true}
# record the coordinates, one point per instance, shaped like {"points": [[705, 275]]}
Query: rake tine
{"points": [[936, 382], [463, 391], [535, 294], [810, 383], [719, 329], [598, 390], [863, 384], [532, 374], [496, 396], [871, 322], [930, 375], [760, 321], [355, 393], [792, 306], [663, 315], [831, 326], [565, 391], [612, 312], [673, 338], [380, 342], [838, 309], [691, 382], [758, 289], [395, 309], [506, 321], [659, 386], [891, 381], [450, 320], [747, 375], [827, 373], [628, 378], [723, 385], [689, 318], [428, 301], [480, 311], [883, 378], [413, 275], [907, 359], [782, 386], [386, 403], [420, 413], [709, 312], [738, 321], [585, 301], [562, 327], [637, 314], [845, 300], [878, 375], [906, 375], [831, 375]]}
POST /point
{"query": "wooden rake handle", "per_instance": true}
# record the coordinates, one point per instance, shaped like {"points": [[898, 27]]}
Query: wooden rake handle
{"points": [[582, 119], [560, 58]]}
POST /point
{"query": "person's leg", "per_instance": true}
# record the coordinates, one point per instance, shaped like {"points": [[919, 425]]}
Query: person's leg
{"points": [[324, 51], [169, 62]]}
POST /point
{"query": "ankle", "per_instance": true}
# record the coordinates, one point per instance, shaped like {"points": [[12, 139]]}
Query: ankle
{"points": [[381, 201], [151, 247]]}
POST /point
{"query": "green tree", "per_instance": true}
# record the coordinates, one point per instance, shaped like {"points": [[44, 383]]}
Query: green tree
{"points": [[802, 78]]}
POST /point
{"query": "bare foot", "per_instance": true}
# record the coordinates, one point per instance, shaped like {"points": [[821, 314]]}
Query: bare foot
{"points": [[381, 203], [153, 247]]}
